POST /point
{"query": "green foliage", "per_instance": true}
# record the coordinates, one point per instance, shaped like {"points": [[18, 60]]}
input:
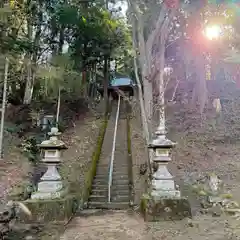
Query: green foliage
{"points": [[103, 36], [31, 150], [53, 42]]}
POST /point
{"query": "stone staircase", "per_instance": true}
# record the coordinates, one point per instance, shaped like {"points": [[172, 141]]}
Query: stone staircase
{"points": [[120, 190]]}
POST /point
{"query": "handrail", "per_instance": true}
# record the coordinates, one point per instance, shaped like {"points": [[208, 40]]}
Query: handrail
{"points": [[113, 151]]}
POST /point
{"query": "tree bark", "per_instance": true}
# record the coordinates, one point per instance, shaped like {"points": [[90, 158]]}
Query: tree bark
{"points": [[4, 100], [200, 95], [58, 106], [144, 62], [140, 91], [105, 83], [32, 57], [29, 83]]}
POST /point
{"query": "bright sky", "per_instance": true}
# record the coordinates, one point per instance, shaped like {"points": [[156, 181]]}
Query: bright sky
{"points": [[213, 32], [123, 5]]}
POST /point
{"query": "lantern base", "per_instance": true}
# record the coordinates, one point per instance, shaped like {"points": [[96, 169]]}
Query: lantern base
{"points": [[48, 210], [50, 186], [48, 195], [166, 194], [165, 209]]}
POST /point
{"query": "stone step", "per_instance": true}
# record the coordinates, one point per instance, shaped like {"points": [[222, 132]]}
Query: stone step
{"points": [[115, 171], [115, 168], [115, 181], [114, 187], [115, 177], [104, 192], [119, 164], [120, 198], [116, 206], [90, 212], [98, 198], [104, 199]]}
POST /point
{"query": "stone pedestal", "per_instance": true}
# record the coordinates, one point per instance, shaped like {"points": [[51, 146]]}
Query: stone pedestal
{"points": [[165, 201], [165, 209], [51, 185]]}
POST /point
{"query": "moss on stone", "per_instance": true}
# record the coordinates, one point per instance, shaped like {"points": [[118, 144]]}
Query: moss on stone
{"points": [[144, 202]]}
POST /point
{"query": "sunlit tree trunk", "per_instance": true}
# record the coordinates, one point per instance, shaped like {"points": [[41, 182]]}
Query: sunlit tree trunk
{"points": [[144, 62], [140, 92]]}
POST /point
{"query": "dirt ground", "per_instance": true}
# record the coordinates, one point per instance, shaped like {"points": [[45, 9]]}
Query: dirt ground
{"points": [[81, 142], [123, 225], [14, 167]]}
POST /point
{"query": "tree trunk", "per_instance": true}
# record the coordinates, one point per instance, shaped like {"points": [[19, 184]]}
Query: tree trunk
{"points": [[32, 57], [105, 83], [203, 95], [161, 88], [58, 106], [200, 95], [61, 40], [4, 100], [94, 80], [29, 83], [138, 24], [140, 91]]}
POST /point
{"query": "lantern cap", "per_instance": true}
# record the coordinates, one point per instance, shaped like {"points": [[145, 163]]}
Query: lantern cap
{"points": [[53, 142], [54, 132], [161, 142]]}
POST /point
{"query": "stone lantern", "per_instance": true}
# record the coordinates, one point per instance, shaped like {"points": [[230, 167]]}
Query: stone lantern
{"points": [[163, 185], [164, 201], [50, 185]]}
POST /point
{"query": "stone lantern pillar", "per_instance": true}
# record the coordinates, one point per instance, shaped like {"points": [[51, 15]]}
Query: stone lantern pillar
{"points": [[50, 185]]}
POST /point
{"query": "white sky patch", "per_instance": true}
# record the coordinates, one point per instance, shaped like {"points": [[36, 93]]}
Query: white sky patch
{"points": [[123, 5]]}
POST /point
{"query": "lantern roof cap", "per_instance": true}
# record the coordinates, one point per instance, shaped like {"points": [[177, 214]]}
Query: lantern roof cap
{"points": [[161, 142], [53, 142]]}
